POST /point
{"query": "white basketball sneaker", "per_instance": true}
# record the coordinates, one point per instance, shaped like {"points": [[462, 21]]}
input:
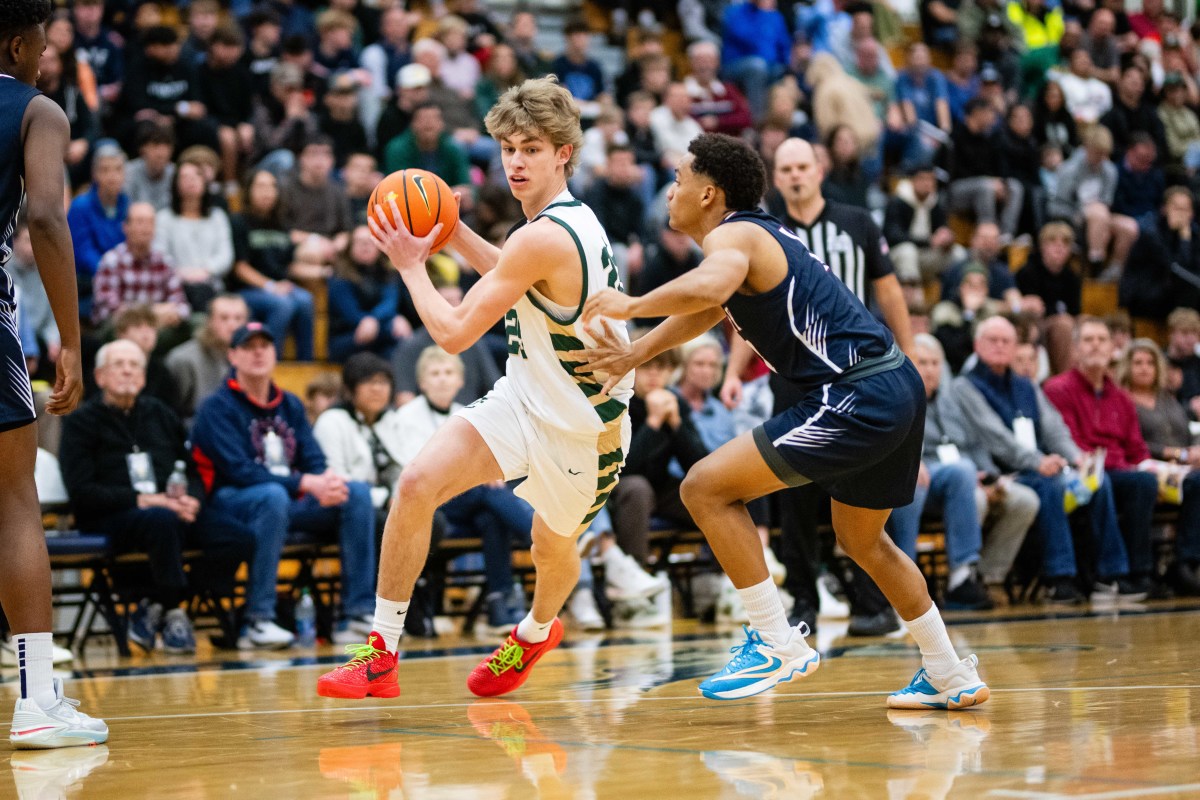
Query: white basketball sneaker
{"points": [[61, 725], [959, 688], [758, 666]]}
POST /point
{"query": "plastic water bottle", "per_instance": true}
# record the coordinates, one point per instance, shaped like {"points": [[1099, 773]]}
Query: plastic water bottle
{"points": [[177, 484], [306, 620]]}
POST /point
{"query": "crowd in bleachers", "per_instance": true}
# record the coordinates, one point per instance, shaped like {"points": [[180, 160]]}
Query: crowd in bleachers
{"points": [[1014, 153]]}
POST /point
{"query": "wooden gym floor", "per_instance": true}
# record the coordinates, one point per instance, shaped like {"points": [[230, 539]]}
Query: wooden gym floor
{"points": [[1084, 705]]}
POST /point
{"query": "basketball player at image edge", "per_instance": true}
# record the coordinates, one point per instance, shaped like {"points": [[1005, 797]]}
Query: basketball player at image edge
{"points": [[33, 142]]}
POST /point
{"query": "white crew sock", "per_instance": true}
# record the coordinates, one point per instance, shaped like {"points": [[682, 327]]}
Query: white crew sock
{"points": [[937, 654], [35, 658], [765, 610], [533, 632], [389, 621]]}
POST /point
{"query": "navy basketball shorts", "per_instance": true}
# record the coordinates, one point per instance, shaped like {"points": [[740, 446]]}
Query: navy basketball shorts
{"points": [[860, 441], [16, 396]]}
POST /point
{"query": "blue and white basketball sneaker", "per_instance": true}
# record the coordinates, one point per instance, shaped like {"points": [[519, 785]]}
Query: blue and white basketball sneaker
{"points": [[960, 688], [758, 665]]}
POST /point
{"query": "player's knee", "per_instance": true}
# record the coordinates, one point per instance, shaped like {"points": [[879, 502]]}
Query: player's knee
{"points": [[863, 549], [694, 491], [419, 487]]}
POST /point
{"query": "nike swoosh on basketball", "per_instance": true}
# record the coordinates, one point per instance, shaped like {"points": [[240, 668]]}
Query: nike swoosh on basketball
{"points": [[371, 676], [574, 471]]}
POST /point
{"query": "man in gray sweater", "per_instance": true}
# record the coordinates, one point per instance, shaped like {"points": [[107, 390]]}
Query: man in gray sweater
{"points": [[199, 365], [959, 480], [1022, 432]]}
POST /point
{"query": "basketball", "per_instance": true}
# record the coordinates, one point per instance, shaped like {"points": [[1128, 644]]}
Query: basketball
{"points": [[423, 199]]}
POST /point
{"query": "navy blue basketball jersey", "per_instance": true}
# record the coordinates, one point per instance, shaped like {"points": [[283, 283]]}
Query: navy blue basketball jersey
{"points": [[810, 329], [14, 99]]}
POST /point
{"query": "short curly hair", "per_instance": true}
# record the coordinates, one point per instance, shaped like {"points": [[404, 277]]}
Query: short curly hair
{"points": [[733, 166], [17, 15]]}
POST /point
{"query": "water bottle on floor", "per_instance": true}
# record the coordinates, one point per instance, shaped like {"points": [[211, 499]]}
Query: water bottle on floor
{"points": [[306, 620]]}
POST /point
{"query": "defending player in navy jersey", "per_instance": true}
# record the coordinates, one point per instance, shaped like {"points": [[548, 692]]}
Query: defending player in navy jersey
{"points": [[857, 431], [33, 141]]}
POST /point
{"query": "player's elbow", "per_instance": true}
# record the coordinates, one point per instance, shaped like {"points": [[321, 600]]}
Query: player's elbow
{"points": [[45, 217], [454, 347], [454, 343]]}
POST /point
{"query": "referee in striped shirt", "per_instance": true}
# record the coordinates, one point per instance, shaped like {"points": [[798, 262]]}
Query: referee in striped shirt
{"points": [[847, 240]]}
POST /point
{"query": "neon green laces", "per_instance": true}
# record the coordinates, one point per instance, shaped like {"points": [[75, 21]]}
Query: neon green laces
{"points": [[360, 654], [508, 655]]}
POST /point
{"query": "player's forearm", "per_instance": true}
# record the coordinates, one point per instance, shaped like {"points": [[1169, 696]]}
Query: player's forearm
{"points": [[740, 355], [683, 296], [51, 240], [479, 252], [675, 331], [440, 318], [895, 312]]}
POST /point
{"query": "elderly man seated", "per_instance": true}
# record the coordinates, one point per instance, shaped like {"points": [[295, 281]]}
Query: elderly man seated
{"points": [[1023, 433], [119, 451], [959, 478]]}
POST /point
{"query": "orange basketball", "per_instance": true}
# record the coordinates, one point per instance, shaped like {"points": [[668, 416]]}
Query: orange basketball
{"points": [[423, 199]]}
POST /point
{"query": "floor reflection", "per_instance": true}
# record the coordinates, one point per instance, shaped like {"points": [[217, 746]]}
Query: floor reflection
{"points": [[50, 774], [542, 761], [953, 745], [762, 776], [371, 770]]}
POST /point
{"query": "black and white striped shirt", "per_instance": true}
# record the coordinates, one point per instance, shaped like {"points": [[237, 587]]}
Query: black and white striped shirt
{"points": [[849, 242]]}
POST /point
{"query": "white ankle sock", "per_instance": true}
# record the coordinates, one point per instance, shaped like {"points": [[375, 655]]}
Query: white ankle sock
{"points": [[765, 610], [389, 621], [531, 631], [34, 661], [937, 653]]}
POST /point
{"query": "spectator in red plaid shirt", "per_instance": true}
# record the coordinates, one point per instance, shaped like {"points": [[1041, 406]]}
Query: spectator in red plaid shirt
{"points": [[134, 272]]}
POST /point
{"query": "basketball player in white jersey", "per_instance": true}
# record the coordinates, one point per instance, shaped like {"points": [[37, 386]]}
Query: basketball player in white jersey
{"points": [[542, 421]]}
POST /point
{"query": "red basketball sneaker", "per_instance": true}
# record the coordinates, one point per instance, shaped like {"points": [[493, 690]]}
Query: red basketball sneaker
{"points": [[370, 672], [508, 667]]}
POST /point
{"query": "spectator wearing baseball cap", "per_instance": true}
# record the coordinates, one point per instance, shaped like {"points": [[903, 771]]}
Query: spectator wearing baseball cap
{"points": [[260, 463], [412, 89]]}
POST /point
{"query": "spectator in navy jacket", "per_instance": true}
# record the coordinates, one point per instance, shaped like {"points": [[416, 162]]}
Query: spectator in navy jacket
{"points": [[364, 302], [97, 218], [1140, 184], [757, 49], [260, 462]]}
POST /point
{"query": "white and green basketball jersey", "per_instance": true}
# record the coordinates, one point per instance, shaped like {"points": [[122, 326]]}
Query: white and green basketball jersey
{"points": [[541, 333]]}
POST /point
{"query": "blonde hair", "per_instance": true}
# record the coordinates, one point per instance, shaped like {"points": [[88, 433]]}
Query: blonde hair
{"points": [[1124, 366], [699, 343], [1056, 230], [539, 107], [435, 355]]}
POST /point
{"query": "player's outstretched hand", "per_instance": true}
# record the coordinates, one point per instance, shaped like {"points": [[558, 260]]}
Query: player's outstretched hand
{"points": [[611, 355], [406, 251], [608, 303], [68, 383]]}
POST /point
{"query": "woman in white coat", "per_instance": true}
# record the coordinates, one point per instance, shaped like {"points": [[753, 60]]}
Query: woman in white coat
{"points": [[365, 439]]}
